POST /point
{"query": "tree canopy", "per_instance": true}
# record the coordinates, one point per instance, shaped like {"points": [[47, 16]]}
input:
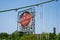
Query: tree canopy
{"points": [[22, 36]]}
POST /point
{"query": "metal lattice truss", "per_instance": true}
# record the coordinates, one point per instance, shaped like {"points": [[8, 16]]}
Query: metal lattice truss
{"points": [[27, 6]]}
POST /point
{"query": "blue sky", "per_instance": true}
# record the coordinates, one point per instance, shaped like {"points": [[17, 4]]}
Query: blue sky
{"points": [[47, 15]]}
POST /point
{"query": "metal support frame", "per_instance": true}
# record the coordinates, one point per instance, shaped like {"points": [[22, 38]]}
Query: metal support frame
{"points": [[27, 6]]}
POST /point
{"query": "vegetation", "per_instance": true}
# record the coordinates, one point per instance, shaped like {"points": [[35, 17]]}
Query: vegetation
{"points": [[22, 36]]}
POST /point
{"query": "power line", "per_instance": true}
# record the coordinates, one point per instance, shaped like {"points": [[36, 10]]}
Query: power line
{"points": [[27, 6]]}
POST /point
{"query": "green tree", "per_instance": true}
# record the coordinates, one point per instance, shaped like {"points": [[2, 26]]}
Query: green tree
{"points": [[16, 35], [52, 36], [59, 36], [29, 37], [44, 36], [4, 35]]}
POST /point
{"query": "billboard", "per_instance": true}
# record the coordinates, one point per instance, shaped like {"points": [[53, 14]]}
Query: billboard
{"points": [[26, 20]]}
